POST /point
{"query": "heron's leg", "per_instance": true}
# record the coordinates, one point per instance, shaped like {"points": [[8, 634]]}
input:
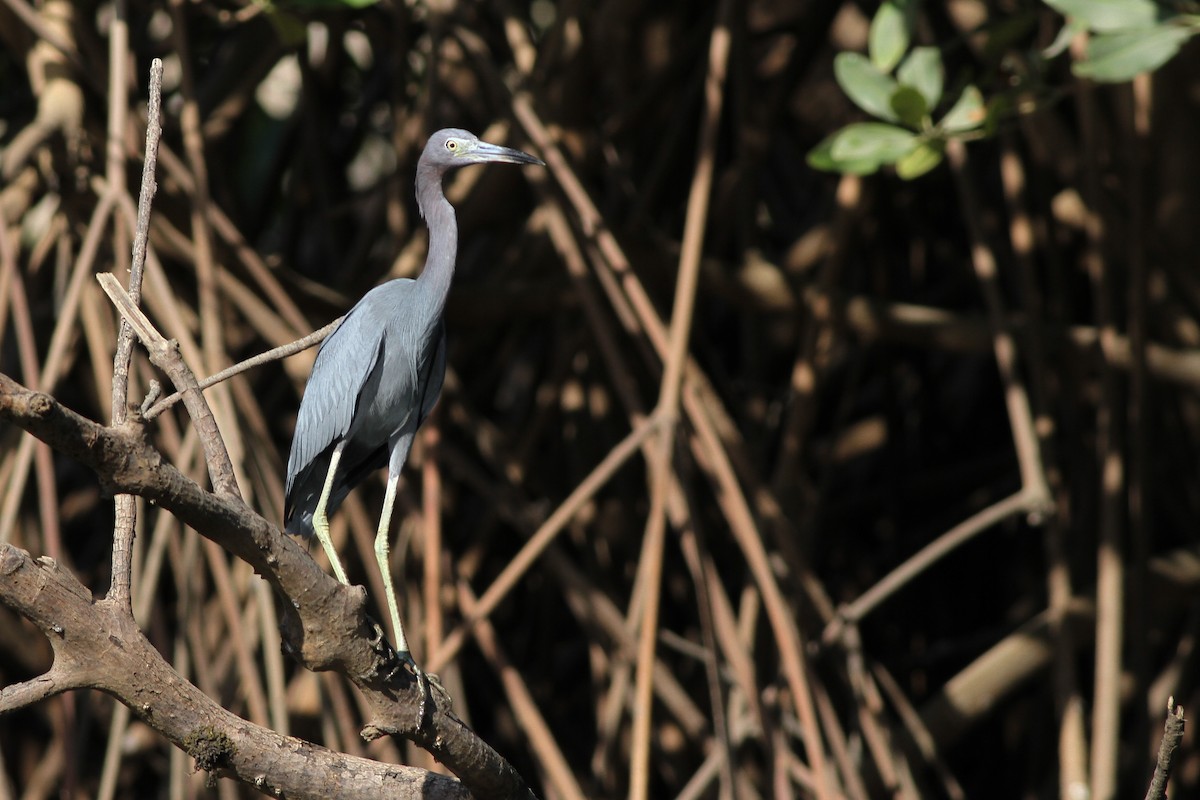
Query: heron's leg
{"points": [[321, 519], [382, 555]]}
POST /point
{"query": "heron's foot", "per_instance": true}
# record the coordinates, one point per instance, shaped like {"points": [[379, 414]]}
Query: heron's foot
{"points": [[425, 680], [383, 649]]}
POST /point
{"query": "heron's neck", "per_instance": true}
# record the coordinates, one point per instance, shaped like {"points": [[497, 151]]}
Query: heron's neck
{"points": [[434, 280]]}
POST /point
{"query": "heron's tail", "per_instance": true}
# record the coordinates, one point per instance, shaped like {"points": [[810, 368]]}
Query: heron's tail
{"points": [[299, 524]]}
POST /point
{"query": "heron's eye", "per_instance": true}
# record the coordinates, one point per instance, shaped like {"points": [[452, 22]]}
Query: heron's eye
{"points": [[451, 145]]}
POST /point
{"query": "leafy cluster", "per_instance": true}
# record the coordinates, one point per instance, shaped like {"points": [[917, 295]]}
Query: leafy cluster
{"points": [[903, 88], [905, 102], [1125, 37]]}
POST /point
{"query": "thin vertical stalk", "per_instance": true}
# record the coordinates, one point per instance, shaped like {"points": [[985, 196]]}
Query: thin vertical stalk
{"points": [[668, 403]]}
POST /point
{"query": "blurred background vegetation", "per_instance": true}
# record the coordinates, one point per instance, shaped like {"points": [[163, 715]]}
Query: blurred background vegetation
{"points": [[969, 326]]}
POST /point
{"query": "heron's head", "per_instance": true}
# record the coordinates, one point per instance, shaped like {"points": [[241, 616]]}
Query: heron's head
{"points": [[454, 147]]}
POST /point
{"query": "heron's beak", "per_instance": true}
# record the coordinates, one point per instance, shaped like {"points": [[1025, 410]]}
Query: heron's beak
{"points": [[485, 151]]}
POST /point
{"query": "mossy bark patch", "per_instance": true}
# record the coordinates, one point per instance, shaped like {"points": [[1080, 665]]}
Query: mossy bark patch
{"points": [[211, 748]]}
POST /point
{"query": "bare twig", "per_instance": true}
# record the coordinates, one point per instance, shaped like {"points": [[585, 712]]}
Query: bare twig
{"points": [[165, 356], [207, 269], [1110, 556], [706, 444], [54, 362], [1172, 736], [651, 567], [122, 558], [853, 613], [541, 739], [539, 541], [274, 354]]}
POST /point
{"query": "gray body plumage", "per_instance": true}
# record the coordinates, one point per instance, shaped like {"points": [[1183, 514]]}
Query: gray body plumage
{"points": [[375, 398], [378, 375]]}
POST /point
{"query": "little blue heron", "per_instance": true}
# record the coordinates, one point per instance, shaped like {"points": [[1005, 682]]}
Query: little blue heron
{"points": [[379, 374]]}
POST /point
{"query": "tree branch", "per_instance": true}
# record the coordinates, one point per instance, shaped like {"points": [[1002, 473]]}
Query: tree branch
{"points": [[324, 623], [97, 646]]}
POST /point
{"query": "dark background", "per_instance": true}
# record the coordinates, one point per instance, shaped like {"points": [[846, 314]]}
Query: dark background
{"points": [[845, 355]]}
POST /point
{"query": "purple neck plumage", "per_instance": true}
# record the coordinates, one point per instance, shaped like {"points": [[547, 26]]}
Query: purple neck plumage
{"points": [[434, 281]]}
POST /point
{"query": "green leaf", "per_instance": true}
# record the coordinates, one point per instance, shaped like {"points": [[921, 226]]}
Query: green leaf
{"points": [[865, 85], [1105, 16], [966, 114], [924, 157], [1115, 57], [872, 141], [821, 157], [910, 106], [922, 70], [1065, 36], [888, 38]]}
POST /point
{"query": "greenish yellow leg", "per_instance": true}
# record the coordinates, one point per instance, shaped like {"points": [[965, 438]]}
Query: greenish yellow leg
{"points": [[382, 550], [382, 555], [321, 519]]}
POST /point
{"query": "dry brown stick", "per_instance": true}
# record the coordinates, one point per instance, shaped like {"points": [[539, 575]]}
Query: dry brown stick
{"points": [[1020, 414], [1172, 736], [122, 547], [1110, 568], [892, 768], [261, 314], [699, 563], [1138, 409], [533, 724], [274, 354], [977, 689], [118, 724], [212, 339], [732, 498], [737, 653], [280, 300], [917, 731], [927, 326], [698, 785], [272, 654], [52, 365], [586, 600], [668, 402], [1072, 739], [539, 541], [64, 709], [838, 745], [343, 717], [28, 358], [431, 498], [570, 251], [711, 455], [8, 271], [165, 356], [145, 592], [803, 383], [706, 444], [249, 680], [853, 613], [591, 605]]}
